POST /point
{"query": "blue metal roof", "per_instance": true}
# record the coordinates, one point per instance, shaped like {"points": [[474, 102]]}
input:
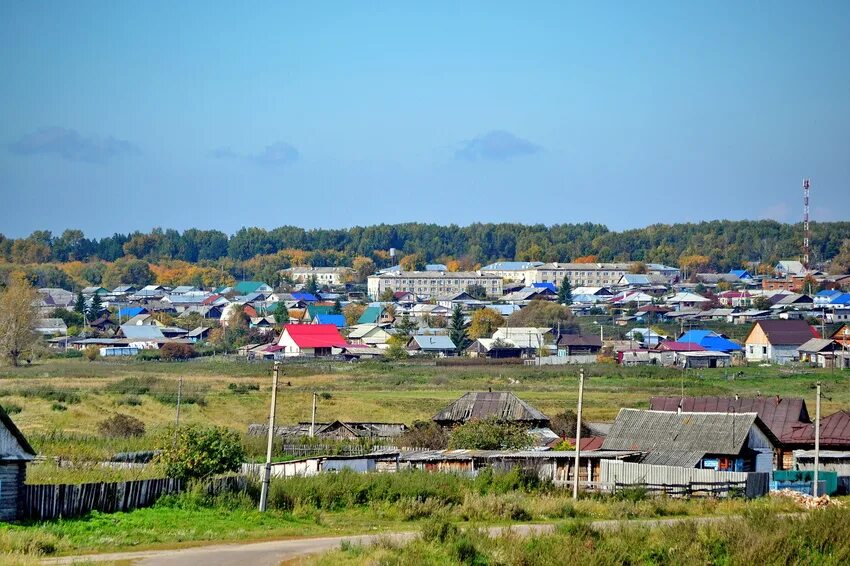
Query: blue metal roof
{"points": [[719, 344], [696, 336], [741, 273], [130, 312], [550, 286], [304, 296], [337, 320]]}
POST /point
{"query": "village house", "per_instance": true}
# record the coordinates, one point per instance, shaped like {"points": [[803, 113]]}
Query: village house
{"points": [[310, 340], [436, 345], [15, 454], [777, 341], [501, 406], [783, 416], [735, 442]]}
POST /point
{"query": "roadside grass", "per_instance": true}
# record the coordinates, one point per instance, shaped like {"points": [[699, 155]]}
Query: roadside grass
{"points": [[348, 503], [760, 537]]}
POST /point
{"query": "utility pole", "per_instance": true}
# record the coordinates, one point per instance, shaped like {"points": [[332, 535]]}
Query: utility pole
{"points": [[817, 441], [267, 471], [179, 395], [578, 433], [313, 419]]}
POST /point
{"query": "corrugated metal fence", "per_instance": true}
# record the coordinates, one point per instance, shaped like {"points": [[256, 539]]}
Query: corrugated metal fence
{"points": [[52, 501], [674, 480]]}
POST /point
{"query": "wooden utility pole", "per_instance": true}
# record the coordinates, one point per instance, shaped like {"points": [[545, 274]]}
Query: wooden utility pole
{"points": [[267, 471], [578, 433], [179, 395], [313, 418], [817, 441]]}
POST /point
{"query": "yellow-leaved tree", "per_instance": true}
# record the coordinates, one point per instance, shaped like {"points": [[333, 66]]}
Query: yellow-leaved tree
{"points": [[17, 319]]}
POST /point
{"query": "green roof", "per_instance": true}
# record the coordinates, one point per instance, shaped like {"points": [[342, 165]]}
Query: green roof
{"points": [[370, 315], [313, 310], [245, 287]]}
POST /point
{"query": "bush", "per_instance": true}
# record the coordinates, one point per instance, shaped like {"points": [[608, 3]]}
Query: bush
{"points": [[92, 353], [172, 351], [148, 355], [425, 434], [49, 393], [70, 354], [135, 385], [489, 434], [58, 407], [130, 401], [242, 388], [200, 452], [121, 426]]}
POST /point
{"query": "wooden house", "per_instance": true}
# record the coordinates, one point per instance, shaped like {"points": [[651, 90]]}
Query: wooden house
{"points": [[15, 453]]}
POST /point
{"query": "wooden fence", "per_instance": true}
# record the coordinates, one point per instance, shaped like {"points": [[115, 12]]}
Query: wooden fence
{"points": [[690, 489], [52, 501], [676, 480]]}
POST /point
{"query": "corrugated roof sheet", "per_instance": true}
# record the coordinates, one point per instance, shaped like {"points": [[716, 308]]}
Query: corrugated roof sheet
{"points": [[499, 405], [780, 415], [680, 435]]}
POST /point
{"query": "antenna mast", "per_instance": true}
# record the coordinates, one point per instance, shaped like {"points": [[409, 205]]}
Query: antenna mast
{"points": [[806, 232]]}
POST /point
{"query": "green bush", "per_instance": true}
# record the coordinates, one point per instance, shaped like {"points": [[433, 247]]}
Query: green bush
{"points": [[149, 355], [489, 434], [58, 407], [242, 388], [200, 452]]}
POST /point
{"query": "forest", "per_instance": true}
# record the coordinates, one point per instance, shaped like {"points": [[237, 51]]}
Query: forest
{"points": [[212, 257]]}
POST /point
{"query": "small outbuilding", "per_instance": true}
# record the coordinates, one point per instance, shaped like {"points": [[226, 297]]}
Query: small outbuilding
{"points": [[15, 453]]}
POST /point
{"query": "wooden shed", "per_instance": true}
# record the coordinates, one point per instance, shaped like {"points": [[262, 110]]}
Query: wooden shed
{"points": [[15, 453]]}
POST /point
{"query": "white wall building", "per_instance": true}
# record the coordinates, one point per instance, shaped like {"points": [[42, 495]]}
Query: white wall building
{"points": [[323, 275], [433, 283], [579, 274]]}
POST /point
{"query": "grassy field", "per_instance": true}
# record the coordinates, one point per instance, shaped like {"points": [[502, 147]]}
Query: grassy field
{"points": [[59, 403]]}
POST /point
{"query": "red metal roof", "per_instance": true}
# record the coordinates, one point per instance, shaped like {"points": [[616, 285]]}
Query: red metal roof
{"points": [[834, 432], [782, 416], [673, 346], [315, 335]]}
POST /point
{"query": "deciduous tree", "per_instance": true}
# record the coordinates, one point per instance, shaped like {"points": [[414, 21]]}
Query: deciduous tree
{"points": [[17, 319], [484, 323]]}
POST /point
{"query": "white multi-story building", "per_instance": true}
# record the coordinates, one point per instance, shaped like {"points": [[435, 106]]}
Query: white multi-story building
{"points": [[323, 275], [578, 274], [511, 270], [433, 283]]}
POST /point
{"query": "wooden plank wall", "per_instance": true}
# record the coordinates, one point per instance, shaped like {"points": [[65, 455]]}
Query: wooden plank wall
{"points": [[46, 502]]}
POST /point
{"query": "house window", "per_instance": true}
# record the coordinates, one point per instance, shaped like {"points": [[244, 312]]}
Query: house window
{"points": [[764, 350]]}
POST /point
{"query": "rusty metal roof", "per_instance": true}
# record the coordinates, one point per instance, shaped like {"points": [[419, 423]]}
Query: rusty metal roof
{"points": [[498, 405], [782, 416]]}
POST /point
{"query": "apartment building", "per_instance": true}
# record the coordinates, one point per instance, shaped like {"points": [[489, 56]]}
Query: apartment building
{"points": [[578, 274], [323, 275], [433, 283], [510, 270]]}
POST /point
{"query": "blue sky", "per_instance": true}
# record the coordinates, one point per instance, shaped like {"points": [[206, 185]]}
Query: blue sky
{"points": [[117, 116]]}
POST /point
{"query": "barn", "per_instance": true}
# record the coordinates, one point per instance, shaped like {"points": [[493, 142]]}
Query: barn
{"points": [[15, 453]]}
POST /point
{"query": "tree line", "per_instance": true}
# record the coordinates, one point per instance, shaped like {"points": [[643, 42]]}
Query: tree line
{"points": [[255, 252]]}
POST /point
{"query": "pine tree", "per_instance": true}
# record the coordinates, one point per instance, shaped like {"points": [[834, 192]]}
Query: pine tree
{"points": [[80, 305], [458, 329], [281, 313], [95, 307], [565, 293], [405, 326], [312, 286], [337, 307]]}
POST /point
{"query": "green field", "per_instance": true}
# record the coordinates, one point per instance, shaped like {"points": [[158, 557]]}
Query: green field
{"points": [[59, 403]]}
